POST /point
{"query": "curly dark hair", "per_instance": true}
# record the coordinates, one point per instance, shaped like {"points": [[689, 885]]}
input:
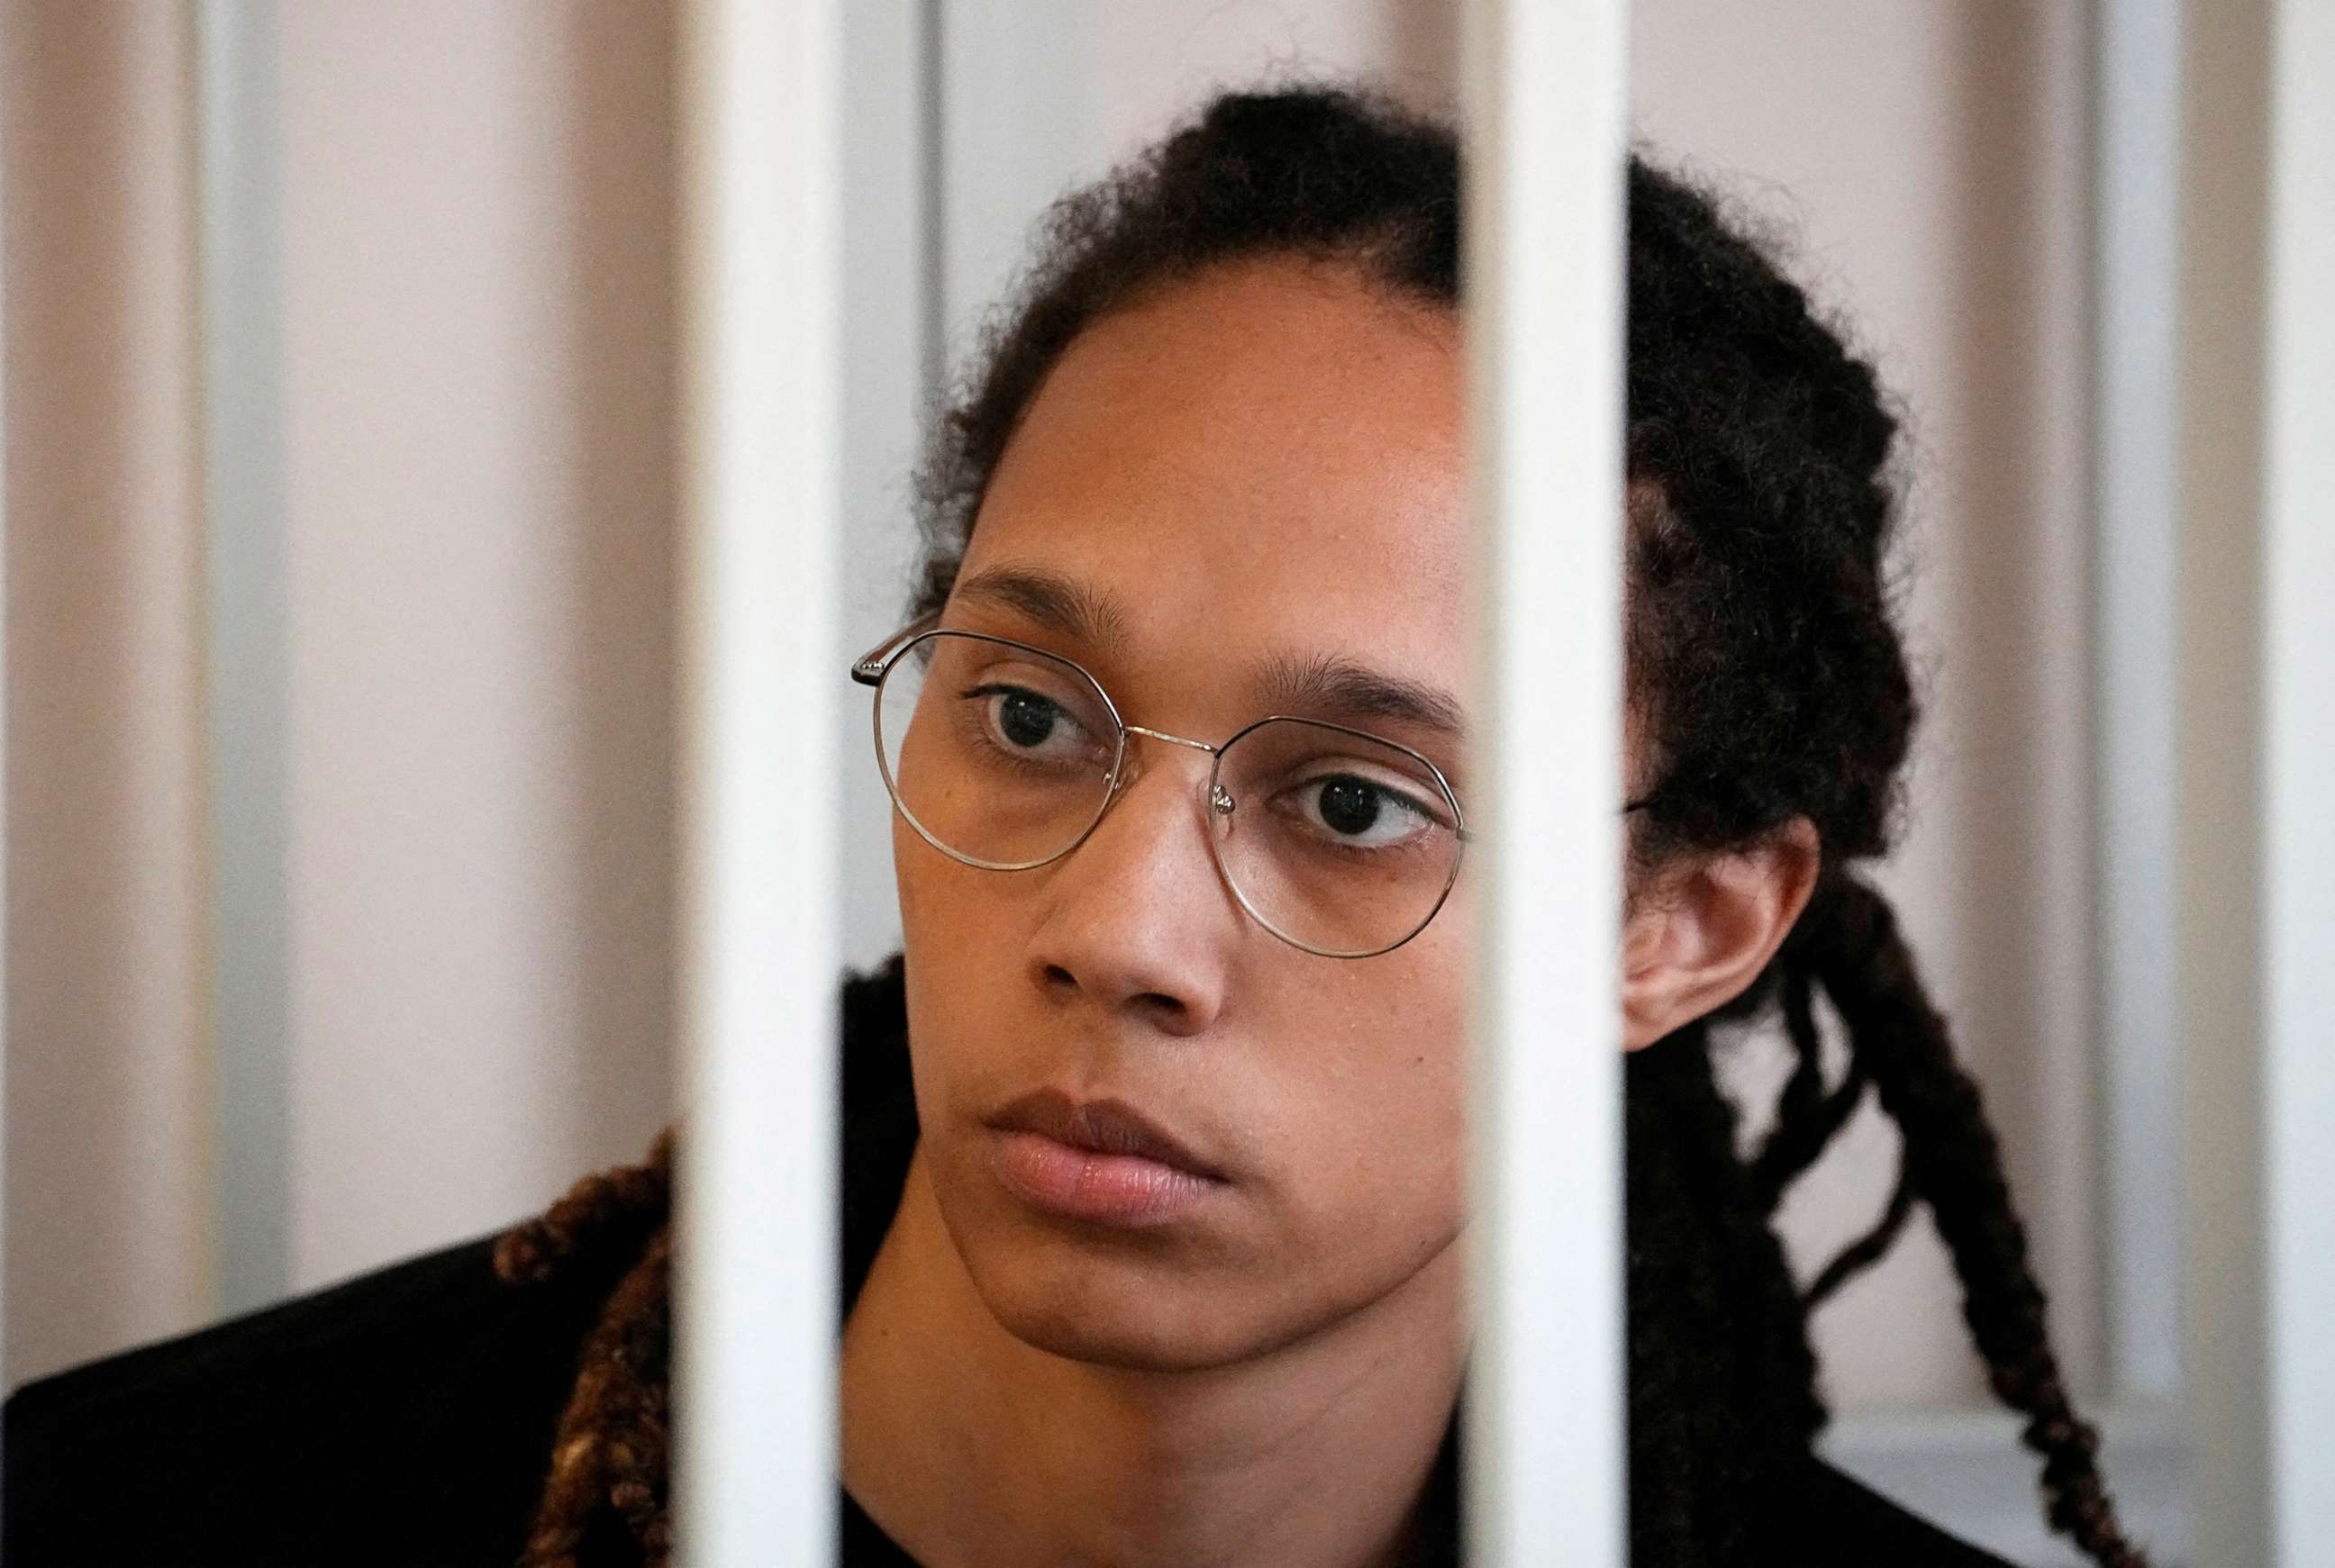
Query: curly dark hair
{"points": [[1762, 656]]}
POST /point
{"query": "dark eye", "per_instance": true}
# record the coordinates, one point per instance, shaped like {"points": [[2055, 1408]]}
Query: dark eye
{"points": [[1347, 804], [1025, 718], [1353, 812], [1030, 727]]}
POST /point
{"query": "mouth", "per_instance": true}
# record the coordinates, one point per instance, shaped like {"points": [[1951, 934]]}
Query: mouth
{"points": [[1098, 1160]]}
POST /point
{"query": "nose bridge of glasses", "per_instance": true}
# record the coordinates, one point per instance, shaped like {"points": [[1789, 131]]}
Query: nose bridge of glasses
{"points": [[1171, 739], [1130, 767]]}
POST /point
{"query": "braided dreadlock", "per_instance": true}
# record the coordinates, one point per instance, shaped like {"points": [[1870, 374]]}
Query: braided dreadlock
{"points": [[1953, 1161], [1762, 656]]}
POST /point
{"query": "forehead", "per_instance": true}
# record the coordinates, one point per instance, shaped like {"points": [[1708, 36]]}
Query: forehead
{"points": [[1267, 457]]}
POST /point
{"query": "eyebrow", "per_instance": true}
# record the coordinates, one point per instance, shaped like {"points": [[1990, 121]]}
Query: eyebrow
{"points": [[1334, 684], [1051, 601], [1320, 684]]}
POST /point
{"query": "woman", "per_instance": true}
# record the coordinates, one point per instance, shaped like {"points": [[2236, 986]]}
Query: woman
{"points": [[1153, 1133]]}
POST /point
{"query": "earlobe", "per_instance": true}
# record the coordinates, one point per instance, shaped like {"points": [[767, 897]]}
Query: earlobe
{"points": [[1645, 972], [1709, 929]]}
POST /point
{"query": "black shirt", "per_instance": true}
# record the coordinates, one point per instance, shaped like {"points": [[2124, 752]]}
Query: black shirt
{"points": [[405, 1419]]}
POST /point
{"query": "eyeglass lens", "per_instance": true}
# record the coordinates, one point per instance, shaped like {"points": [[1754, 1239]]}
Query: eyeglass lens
{"points": [[1003, 757]]}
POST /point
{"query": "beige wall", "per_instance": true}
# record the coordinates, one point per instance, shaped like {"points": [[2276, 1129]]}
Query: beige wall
{"points": [[106, 1223], [478, 332], [475, 321]]}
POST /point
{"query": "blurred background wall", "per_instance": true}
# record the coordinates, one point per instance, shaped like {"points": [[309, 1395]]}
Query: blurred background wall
{"points": [[107, 1140], [476, 687], [475, 670], [478, 501]]}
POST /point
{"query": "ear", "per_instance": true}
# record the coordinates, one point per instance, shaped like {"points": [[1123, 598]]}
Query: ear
{"points": [[1699, 937]]}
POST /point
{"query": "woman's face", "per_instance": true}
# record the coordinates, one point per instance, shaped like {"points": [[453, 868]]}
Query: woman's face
{"points": [[1260, 466]]}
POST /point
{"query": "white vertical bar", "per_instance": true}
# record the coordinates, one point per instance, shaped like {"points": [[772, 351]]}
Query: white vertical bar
{"points": [[247, 1024], [7, 892], [2137, 76], [760, 941], [1546, 99], [2298, 913], [2226, 80]]}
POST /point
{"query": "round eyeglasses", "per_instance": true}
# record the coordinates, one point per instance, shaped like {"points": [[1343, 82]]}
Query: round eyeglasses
{"points": [[1005, 757]]}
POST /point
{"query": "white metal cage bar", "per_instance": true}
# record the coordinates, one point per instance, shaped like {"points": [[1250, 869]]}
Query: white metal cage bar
{"points": [[2297, 911], [8, 523], [1545, 96], [247, 675], [760, 154], [2257, 746], [2135, 67]]}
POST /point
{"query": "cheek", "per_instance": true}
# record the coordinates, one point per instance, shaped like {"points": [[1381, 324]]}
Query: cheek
{"points": [[949, 910], [954, 937], [914, 868], [1375, 1172]]}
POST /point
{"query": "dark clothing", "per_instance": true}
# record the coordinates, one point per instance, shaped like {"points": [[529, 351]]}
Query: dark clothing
{"points": [[406, 1418]]}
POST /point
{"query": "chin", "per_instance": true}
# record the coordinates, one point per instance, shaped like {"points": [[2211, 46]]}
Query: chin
{"points": [[1142, 1301], [1064, 1296]]}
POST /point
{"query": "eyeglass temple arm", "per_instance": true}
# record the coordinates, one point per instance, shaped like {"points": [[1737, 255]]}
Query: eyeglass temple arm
{"points": [[869, 668]]}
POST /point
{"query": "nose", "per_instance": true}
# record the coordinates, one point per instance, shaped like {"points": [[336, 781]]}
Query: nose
{"points": [[1138, 923]]}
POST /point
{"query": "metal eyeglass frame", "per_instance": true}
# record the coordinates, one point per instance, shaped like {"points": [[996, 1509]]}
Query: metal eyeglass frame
{"points": [[871, 668]]}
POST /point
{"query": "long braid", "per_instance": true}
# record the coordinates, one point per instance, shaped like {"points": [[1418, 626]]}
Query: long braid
{"points": [[1953, 1162], [1807, 1117]]}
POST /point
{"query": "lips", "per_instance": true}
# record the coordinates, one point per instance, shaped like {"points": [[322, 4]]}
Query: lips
{"points": [[1100, 1161], [1108, 1126]]}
